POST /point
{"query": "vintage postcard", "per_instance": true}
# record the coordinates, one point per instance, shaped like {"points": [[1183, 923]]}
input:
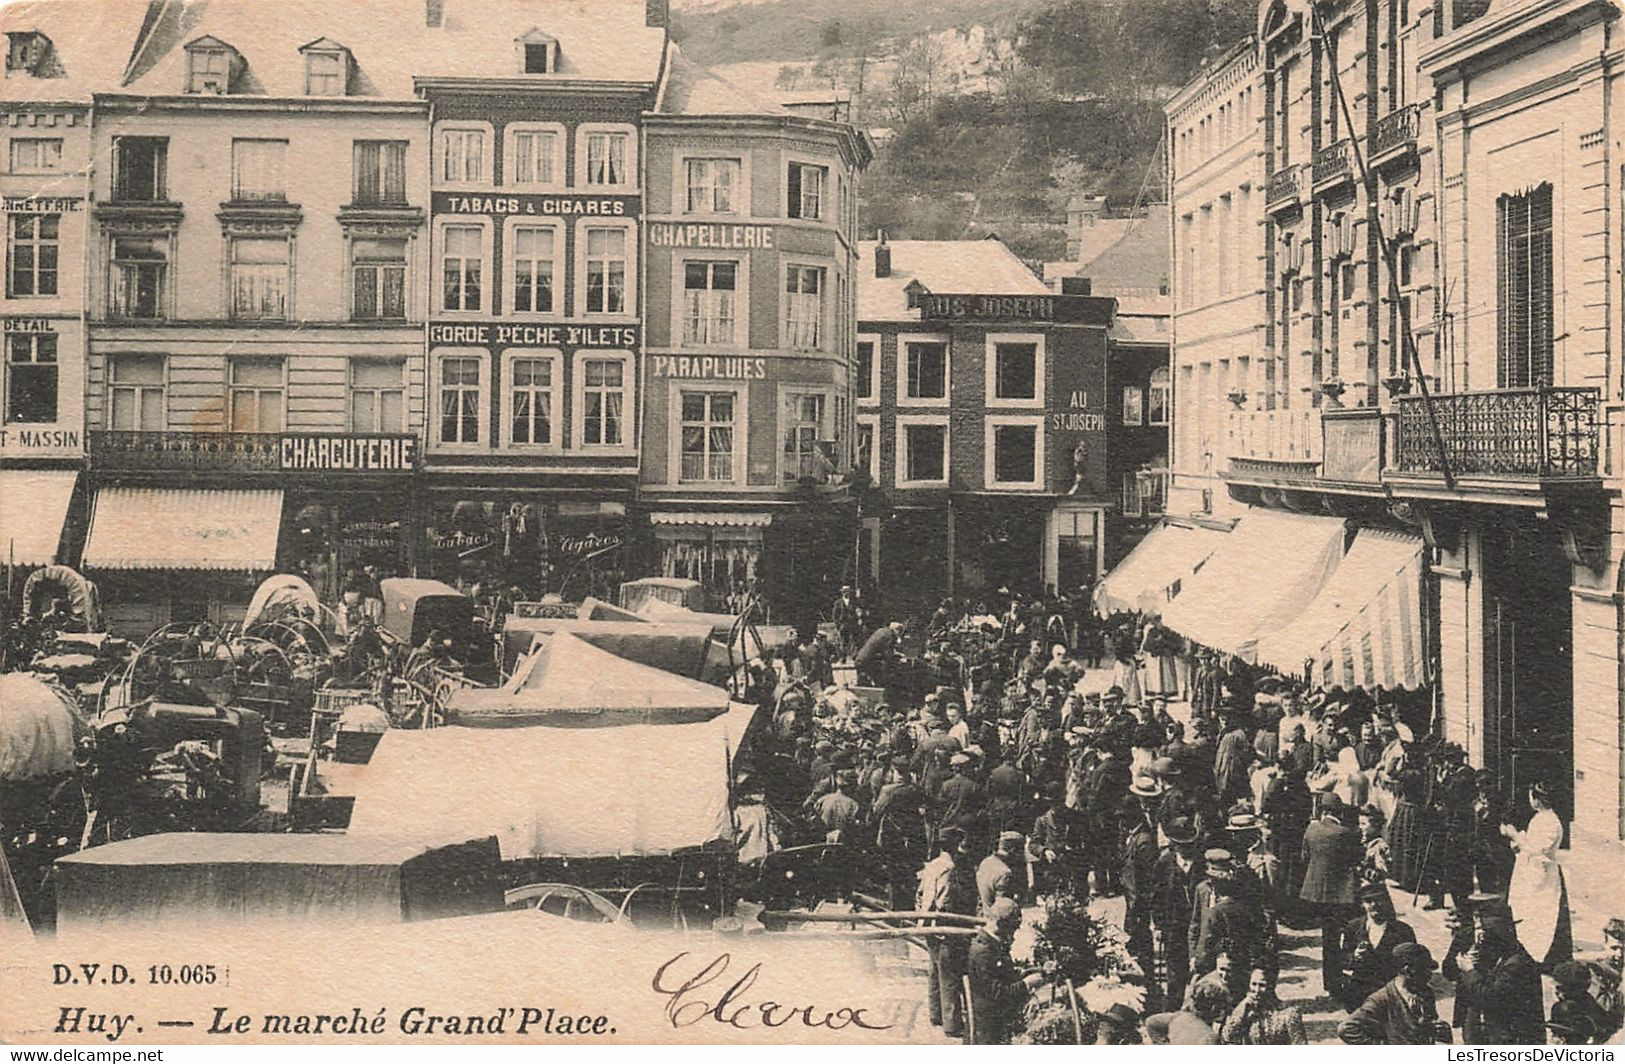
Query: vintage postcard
{"points": [[576, 522]]}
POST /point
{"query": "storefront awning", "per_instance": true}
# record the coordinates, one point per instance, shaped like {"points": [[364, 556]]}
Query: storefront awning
{"points": [[711, 518], [173, 528], [1156, 569], [36, 501], [1364, 629], [1262, 576]]}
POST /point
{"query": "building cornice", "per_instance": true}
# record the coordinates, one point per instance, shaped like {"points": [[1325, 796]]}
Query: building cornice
{"points": [[128, 102], [848, 138], [1497, 31], [528, 85], [1225, 74]]}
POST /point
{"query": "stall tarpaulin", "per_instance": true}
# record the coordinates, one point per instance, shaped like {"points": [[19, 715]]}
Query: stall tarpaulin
{"points": [[282, 592], [1262, 576], [670, 647], [1156, 569], [638, 789], [1364, 629], [244, 878]]}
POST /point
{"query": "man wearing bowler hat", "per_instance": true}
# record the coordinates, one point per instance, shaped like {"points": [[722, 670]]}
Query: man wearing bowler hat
{"points": [[1139, 867], [1499, 982], [1369, 941], [1332, 853], [1402, 1011], [1173, 895], [1224, 922]]}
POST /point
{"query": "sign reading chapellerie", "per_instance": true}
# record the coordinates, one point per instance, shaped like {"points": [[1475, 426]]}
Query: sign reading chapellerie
{"points": [[317, 453], [1085, 310], [710, 235]]}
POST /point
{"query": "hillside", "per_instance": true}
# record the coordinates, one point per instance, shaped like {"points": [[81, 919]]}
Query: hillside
{"points": [[717, 32]]}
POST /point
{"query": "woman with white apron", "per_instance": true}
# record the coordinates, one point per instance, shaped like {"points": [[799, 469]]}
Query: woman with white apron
{"points": [[1537, 895]]}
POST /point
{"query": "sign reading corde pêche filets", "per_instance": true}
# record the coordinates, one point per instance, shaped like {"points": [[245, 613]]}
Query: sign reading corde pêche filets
{"points": [[323, 453]]}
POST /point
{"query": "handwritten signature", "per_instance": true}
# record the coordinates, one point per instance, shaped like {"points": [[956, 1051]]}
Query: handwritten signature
{"points": [[686, 1005]]}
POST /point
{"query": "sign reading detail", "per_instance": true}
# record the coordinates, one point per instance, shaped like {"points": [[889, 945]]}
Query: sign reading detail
{"points": [[709, 367], [1086, 310], [348, 454], [481, 334], [29, 325], [710, 235]]}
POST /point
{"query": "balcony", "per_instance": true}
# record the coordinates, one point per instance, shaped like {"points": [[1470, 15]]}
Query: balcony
{"points": [[1395, 138], [1334, 167], [1517, 438], [190, 452], [1283, 193], [1274, 446]]}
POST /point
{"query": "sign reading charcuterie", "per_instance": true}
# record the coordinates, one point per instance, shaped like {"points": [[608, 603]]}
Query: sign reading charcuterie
{"points": [[318, 453]]}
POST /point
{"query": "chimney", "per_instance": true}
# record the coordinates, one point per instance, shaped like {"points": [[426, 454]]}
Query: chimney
{"points": [[882, 257], [1075, 286], [656, 12], [434, 13]]}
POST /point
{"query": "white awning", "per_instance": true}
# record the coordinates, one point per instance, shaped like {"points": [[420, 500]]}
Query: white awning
{"points": [[171, 528], [702, 517], [1261, 578], [33, 503], [1364, 629], [1156, 569]]}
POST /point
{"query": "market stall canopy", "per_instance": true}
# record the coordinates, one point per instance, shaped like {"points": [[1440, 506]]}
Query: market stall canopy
{"points": [[1155, 570], [31, 519], [1364, 629], [593, 609], [672, 647], [279, 593], [244, 878], [38, 726], [722, 625], [641, 789], [1263, 574], [53, 580], [570, 683], [184, 528]]}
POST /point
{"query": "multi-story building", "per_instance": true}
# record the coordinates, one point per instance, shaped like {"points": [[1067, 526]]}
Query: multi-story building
{"points": [[256, 298], [55, 59], [1216, 183], [1434, 368], [752, 239], [983, 412], [537, 298]]}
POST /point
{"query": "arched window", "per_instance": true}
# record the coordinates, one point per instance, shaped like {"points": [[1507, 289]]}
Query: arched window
{"points": [[1159, 403]]}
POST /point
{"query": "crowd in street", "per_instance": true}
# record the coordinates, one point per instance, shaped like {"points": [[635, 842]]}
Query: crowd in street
{"points": [[981, 765]]}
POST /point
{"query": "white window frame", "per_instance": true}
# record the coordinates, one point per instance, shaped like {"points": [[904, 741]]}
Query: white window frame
{"points": [[556, 403], [874, 370], [510, 231], [408, 281], [1139, 407], [903, 423], [311, 73], [679, 184], [903, 340], [290, 304], [271, 170], [991, 365], [39, 145], [872, 422], [561, 144], [437, 261], [1166, 387], [679, 308], [580, 295], [195, 77], [826, 302], [232, 388], [830, 424], [990, 466], [587, 129], [431, 419], [826, 200], [629, 411], [437, 155], [674, 448], [350, 391], [136, 389]]}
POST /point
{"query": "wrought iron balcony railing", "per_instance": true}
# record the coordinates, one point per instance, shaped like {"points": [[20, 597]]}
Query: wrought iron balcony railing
{"points": [[1334, 164], [1397, 130], [1283, 188], [202, 452], [1543, 433]]}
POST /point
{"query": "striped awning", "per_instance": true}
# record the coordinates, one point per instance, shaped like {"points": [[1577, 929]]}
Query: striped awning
{"points": [[183, 528], [33, 503], [1155, 569], [1262, 576], [1364, 628], [712, 518]]}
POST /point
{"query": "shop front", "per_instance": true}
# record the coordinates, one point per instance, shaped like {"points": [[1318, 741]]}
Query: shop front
{"points": [[531, 543]]}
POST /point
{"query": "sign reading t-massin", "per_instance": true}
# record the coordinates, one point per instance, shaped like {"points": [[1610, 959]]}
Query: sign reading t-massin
{"points": [[319, 453], [710, 235], [1065, 310]]}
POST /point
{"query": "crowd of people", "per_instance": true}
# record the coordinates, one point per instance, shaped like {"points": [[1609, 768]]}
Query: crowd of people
{"points": [[1000, 768]]}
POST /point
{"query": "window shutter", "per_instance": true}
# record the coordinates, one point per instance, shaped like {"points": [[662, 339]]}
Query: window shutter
{"points": [[366, 172], [793, 180]]}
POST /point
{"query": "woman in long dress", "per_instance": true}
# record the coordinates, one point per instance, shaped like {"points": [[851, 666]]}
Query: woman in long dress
{"points": [[1537, 893]]}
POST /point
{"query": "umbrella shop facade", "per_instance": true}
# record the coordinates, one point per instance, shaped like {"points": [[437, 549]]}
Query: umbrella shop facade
{"points": [[982, 423], [536, 298], [748, 267]]}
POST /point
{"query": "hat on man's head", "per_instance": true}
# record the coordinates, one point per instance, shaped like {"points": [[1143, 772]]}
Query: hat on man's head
{"points": [[1572, 975], [1009, 840], [1219, 862], [1164, 767], [959, 759], [951, 838], [1413, 956], [1146, 786], [824, 746], [1614, 928], [1374, 892], [1180, 830], [1243, 822]]}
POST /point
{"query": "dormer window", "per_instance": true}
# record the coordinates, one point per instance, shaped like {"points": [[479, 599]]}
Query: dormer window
{"points": [[210, 66], [327, 68], [538, 53], [26, 52]]}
